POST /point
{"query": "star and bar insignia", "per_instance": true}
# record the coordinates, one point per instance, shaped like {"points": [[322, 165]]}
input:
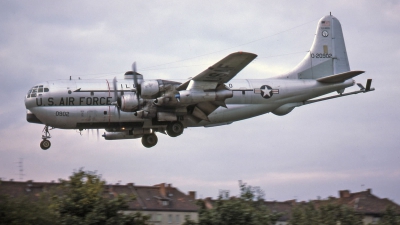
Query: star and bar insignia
{"points": [[266, 91]]}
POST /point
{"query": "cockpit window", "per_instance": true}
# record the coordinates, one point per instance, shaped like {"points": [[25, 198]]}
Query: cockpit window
{"points": [[33, 92]]}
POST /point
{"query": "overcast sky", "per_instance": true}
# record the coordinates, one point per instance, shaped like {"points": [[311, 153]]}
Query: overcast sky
{"points": [[347, 143]]}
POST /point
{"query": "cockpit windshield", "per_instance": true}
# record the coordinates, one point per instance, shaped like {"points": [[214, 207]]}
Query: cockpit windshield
{"points": [[33, 92]]}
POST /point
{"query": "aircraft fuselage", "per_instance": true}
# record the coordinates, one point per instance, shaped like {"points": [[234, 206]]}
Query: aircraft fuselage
{"points": [[64, 107]]}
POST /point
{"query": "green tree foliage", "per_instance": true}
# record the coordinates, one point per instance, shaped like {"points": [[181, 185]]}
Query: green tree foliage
{"points": [[390, 217], [80, 200], [327, 214], [247, 209], [83, 202], [24, 211]]}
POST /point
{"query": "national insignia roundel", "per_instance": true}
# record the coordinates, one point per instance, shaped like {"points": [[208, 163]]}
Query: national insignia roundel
{"points": [[266, 91]]}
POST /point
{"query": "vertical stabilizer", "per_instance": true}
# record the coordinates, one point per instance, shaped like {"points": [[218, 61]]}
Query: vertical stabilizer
{"points": [[327, 55]]}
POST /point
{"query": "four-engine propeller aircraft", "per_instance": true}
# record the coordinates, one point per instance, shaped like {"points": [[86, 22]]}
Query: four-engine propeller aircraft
{"points": [[137, 108]]}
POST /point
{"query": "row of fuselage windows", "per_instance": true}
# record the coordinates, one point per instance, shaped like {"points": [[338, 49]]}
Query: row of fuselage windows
{"points": [[33, 92]]}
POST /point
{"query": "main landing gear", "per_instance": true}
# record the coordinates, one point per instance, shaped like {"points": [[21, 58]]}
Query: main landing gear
{"points": [[149, 140], [174, 129], [45, 144]]}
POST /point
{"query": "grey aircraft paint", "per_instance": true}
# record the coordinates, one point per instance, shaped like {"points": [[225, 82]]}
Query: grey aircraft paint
{"points": [[137, 108]]}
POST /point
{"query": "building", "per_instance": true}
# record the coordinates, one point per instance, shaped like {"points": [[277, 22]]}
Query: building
{"points": [[365, 203], [284, 208], [165, 204], [371, 207]]}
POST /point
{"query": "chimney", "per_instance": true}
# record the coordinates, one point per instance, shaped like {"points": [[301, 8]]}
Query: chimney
{"points": [[369, 191], [344, 193], [130, 184], [163, 192], [192, 195]]}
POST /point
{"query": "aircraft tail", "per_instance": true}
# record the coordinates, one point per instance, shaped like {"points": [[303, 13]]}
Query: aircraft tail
{"points": [[327, 55]]}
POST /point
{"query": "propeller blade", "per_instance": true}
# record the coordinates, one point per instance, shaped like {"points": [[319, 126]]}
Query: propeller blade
{"points": [[116, 96], [135, 82], [134, 67]]}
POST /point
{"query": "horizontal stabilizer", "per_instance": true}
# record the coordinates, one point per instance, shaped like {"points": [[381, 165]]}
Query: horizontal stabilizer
{"points": [[341, 77]]}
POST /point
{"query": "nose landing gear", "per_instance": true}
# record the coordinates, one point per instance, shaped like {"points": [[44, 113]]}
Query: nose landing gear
{"points": [[45, 144]]}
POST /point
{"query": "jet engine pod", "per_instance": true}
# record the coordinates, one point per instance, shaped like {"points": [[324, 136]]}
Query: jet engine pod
{"points": [[286, 108], [129, 102]]}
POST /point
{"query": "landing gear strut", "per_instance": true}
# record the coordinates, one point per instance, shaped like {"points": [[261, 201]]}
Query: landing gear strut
{"points": [[149, 140], [174, 129], [45, 144]]}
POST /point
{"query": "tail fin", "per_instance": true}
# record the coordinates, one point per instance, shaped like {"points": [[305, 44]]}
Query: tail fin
{"points": [[327, 55]]}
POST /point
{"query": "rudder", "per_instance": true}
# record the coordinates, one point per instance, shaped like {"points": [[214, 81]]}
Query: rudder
{"points": [[327, 55]]}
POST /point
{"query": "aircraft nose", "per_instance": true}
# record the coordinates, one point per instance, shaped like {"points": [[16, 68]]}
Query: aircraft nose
{"points": [[31, 118]]}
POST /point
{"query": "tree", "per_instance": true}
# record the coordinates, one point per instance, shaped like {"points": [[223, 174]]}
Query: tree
{"points": [[24, 210], [247, 209], [327, 214], [390, 217], [83, 202]]}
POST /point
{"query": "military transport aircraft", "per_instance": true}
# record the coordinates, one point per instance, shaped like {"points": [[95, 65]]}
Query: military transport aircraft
{"points": [[133, 107]]}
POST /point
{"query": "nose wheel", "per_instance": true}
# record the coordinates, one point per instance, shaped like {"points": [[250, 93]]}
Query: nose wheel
{"points": [[45, 144]]}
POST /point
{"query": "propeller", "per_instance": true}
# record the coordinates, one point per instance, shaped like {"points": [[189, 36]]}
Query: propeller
{"points": [[91, 130], [135, 82], [118, 100]]}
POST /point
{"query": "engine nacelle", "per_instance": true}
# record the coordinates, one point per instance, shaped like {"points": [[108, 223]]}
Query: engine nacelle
{"points": [[286, 108], [194, 96], [129, 102], [162, 101], [150, 89]]}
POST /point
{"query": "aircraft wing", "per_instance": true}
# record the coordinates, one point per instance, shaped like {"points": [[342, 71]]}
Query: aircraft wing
{"points": [[214, 78], [222, 71]]}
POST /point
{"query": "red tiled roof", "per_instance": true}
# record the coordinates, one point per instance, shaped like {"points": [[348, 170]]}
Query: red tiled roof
{"points": [[148, 198], [366, 203]]}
